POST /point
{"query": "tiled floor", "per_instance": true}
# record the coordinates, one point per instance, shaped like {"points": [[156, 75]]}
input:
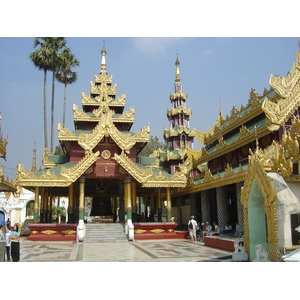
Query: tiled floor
{"points": [[137, 251]]}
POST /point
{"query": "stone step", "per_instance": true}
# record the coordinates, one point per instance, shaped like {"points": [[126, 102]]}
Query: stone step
{"points": [[105, 233]]}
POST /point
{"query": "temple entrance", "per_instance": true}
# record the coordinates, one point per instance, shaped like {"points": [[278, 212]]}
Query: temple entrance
{"points": [[101, 206], [256, 219]]}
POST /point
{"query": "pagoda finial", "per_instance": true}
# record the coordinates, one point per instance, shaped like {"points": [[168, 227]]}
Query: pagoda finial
{"points": [[177, 73], [103, 53], [33, 168]]}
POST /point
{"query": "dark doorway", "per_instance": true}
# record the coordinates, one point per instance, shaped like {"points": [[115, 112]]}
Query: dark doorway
{"points": [[101, 206]]}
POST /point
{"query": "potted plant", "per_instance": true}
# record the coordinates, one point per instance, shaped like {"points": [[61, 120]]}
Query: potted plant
{"points": [[58, 212]]}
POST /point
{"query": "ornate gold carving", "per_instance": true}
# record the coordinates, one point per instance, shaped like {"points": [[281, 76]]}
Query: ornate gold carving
{"points": [[48, 178], [157, 230], [256, 172], [139, 231], [179, 94], [68, 231], [48, 232], [178, 110], [106, 154], [281, 107], [34, 232]]}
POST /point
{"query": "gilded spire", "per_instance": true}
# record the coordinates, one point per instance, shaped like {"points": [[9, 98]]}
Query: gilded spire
{"points": [[177, 73], [103, 53]]}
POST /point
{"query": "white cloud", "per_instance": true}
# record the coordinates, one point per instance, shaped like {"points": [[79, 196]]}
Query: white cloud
{"points": [[153, 44]]}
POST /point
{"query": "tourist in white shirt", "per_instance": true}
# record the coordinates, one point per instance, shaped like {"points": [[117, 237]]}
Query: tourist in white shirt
{"points": [[192, 231]]}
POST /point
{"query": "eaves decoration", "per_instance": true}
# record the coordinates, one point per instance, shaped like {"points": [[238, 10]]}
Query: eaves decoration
{"points": [[60, 176], [281, 157], [150, 177], [237, 118], [178, 110], [244, 137], [105, 127], [80, 115], [280, 108], [209, 181]]}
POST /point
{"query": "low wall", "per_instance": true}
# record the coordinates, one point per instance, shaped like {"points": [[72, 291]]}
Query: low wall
{"points": [[52, 232], [156, 230], [220, 242]]}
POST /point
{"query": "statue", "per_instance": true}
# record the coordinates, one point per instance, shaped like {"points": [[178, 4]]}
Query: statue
{"points": [[239, 253], [261, 255]]}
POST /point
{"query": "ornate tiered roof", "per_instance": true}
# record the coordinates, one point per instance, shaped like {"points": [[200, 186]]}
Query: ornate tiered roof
{"points": [[101, 146]]}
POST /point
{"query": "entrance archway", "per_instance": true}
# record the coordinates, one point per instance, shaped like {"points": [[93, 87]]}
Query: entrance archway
{"points": [[256, 219], [258, 197]]}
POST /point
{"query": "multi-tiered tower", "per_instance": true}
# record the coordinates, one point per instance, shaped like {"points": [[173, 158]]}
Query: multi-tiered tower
{"points": [[179, 136]]}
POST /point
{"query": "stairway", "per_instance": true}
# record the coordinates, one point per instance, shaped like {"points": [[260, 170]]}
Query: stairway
{"points": [[105, 233]]}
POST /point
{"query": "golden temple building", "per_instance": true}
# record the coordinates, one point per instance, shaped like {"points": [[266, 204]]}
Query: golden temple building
{"points": [[246, 175]]}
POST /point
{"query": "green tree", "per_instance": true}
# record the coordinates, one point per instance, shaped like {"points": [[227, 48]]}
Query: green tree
{"points": [[46, 58], [58, 212], [42, 60], [57, 60], [153, 144], [65, 75]]}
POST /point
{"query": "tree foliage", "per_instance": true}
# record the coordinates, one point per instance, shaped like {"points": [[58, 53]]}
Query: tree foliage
{"points": [[153, 144]]}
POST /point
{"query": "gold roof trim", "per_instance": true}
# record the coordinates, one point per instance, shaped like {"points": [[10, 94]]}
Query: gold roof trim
{"points": [[80, 115], [103, 89], [252, 109], [280, 157], [3, 143], [98, 100], [5, 184], [287, 101], [48, 178], [209, 182], [147, 178], [244, 137], [182, 129], [45, 160], [105, 127], [178, 110], [103, 78], [179, 94]]}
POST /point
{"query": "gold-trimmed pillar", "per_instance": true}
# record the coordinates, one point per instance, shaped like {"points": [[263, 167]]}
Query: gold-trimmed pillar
{"points": [[159, 212], [133, 199], [36, 205], [71, 203], [127, 197], [42, 206], [169, 206], [81, 197]]}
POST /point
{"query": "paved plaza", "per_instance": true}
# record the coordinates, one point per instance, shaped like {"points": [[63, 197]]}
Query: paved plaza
{"points": [[180, 250]]}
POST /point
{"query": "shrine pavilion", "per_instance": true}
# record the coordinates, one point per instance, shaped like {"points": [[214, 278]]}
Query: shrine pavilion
{"points": [[99, 168]]}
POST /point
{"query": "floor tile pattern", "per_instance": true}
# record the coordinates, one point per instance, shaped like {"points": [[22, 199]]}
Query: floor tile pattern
{"points": [[137, 251]]}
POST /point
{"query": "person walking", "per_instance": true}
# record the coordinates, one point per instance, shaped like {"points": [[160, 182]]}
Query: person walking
{"points": [[192, 225], [7, 243], [15, 244], [2, 243]]}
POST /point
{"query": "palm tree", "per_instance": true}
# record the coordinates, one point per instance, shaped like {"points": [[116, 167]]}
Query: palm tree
{"points": [[46, 58], [42, 60], [57, 60], [65, 75]]}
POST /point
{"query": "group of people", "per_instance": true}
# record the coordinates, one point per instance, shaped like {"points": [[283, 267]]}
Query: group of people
{"points": [[201, 229], [9, 243]]}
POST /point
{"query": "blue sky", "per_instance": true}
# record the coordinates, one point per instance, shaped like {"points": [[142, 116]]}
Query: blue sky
{"points": [[214, 72]]}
